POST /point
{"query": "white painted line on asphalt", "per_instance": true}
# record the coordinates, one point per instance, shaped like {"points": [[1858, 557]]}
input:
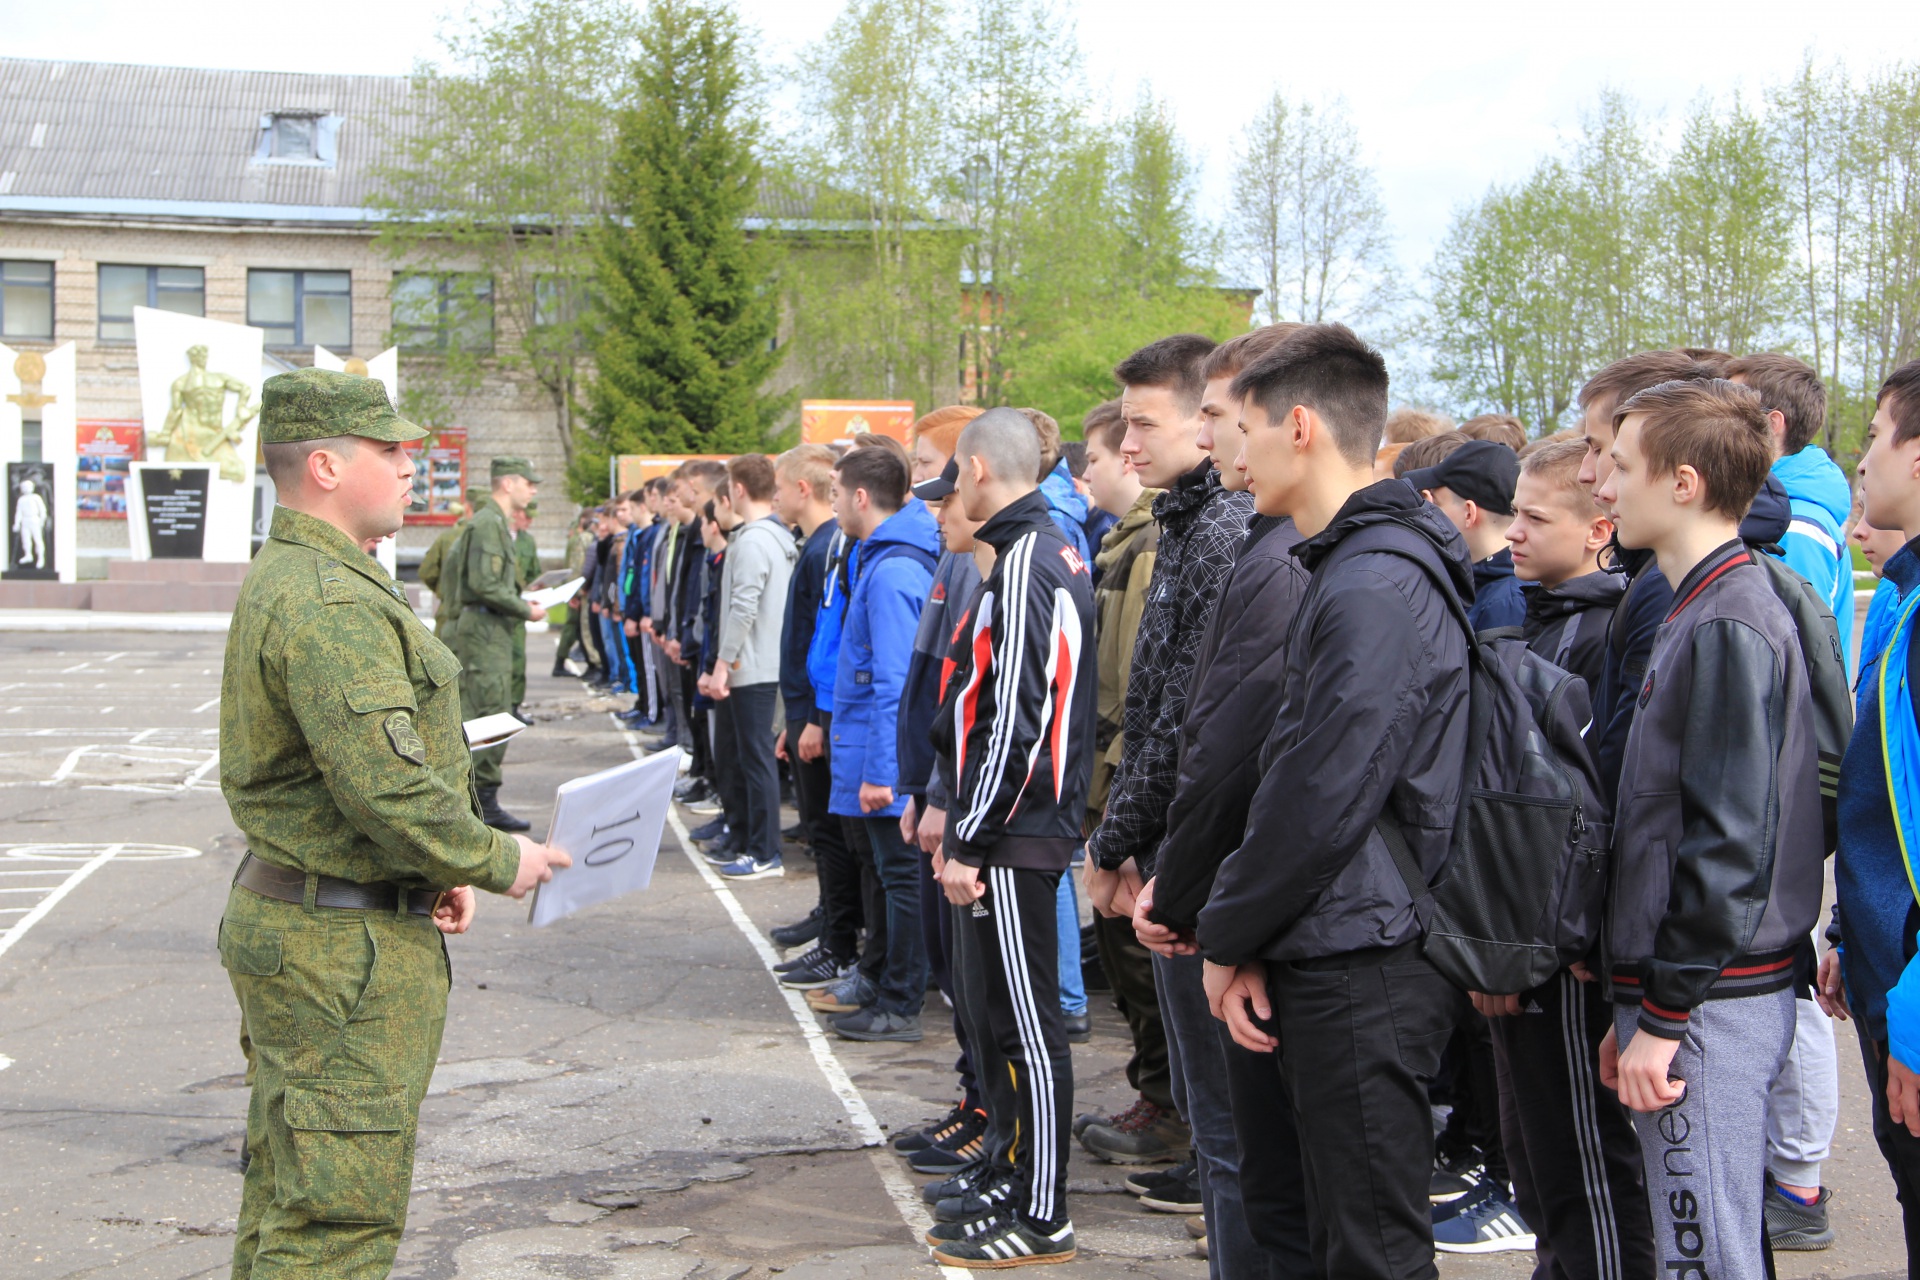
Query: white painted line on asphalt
{"points": [[905, 1196], [5, 1062], [205, 706], [18, 929]]}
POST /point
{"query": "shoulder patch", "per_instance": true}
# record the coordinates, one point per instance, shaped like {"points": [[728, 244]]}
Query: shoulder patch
{"points": [[336, 586], [406, 740]]}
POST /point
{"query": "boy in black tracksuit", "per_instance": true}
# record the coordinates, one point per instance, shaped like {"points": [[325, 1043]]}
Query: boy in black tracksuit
{"points": [[1570, 1145], [1015, 735]]}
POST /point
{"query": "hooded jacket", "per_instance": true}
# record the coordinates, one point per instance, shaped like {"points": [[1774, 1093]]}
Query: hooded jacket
{"points": [[753, 595], [876, 647], [1814, 545], [805, 587], [1235, 696], [1121, 574], [955, 579], [1201, 529], [1567, 624], [1718, 857], [1637, 619], [1017, 710], [1068, 508], [1372, 720], [1498, 599]]}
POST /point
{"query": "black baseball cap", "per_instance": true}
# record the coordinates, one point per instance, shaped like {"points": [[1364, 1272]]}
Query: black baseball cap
{"points": [[1484, 472], [941, 485]]}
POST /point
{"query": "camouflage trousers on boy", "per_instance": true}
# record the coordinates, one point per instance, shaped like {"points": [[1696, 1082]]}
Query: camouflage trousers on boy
{"points": [[341, 1016]]}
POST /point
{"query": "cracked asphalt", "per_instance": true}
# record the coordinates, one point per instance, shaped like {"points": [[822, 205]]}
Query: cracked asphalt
{"points": [[622, 1096]]}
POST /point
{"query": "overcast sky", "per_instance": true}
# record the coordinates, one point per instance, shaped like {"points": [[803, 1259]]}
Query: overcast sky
{"points": [[1448, 97]]}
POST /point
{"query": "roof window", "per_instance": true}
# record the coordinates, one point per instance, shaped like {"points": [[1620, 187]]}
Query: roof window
{"points": [[297, 137]]}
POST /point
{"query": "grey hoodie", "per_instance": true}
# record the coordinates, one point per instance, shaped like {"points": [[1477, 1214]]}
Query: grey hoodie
{"points": [[753, 590]]}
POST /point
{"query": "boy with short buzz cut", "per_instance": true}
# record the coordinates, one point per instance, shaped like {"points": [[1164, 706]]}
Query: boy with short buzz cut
{"points": [[1569, 1144], [1718, 832]]}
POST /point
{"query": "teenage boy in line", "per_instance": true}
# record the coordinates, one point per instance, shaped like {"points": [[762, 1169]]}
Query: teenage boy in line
{"points": [[1718, 837], [1312, 942], [1805, 1107], [1474, 486], [1569, 1144], [1234, 1099], [893, 572], [725, 836], [744, 681], [1878, 917], [1201, 528], [803, 481], [1019, 716]]}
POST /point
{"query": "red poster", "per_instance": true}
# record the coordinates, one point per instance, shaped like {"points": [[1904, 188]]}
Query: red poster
{"points": [[440, 476], [101, 475]]}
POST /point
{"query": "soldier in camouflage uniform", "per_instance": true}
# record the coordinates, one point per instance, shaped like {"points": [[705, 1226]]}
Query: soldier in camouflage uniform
{"points": [[433, 565], [526, 556], [488, 629], [343, 762]]}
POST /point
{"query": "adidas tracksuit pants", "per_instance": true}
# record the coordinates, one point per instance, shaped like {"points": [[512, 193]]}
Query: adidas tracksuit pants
{"points": [[1006, 977]]}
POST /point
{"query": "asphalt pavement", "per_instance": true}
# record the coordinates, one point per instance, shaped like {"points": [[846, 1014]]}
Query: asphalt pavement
{"points": [[625, 1095]]}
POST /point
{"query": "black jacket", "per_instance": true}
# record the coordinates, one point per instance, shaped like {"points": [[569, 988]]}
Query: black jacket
{"points": [[804, 589], [1372, 717], [1636, 620], [1016, 721], [1201, 529], [1718, 838], [1567, 624], [1230, 709]]}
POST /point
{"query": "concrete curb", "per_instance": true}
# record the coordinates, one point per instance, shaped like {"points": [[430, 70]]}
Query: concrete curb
{"points": [[90, 620]]}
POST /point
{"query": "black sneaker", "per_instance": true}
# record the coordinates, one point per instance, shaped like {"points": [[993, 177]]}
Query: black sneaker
{"points": [[1796, 1227], [948, 1232], [1454, 1178], [1491, 1226], [688, 790], [1078, 1026], [708, 830], [958, 1185], [797, 833], [875, 1023], [820, 971], [1016, 1244], [1147, 1181], [800, 932], [804, 958], [1182, 1196], [920, 1139], [956, 1150], [983, 1199]]}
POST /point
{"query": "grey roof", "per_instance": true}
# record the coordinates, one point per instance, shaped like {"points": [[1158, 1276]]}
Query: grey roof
{"points": [[98, 135]]}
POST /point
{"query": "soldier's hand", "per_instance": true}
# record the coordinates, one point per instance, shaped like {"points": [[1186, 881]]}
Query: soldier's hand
{"points": [[454, 914], [537, 862], [539, 613]]}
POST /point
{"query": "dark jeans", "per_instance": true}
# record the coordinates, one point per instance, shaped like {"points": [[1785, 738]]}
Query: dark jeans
{"points": [[903, 976], [936, 926], [873, 899], [840, 911], [1129, 969], [1900, 1148], [746, 739], [1360, 1042], [1197, 1042], [1475, 1119], [729, 777]]}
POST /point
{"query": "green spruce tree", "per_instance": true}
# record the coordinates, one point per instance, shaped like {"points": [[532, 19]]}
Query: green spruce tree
{"points": [[686, 314]]}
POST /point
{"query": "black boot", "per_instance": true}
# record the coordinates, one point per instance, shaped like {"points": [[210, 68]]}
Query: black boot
{"points": [[516, 714], [560, 667], [494, 816]]}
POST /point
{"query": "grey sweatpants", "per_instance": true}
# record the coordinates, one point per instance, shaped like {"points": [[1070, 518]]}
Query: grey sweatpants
{"points": [[1706, 1155], [1805, 1104]]}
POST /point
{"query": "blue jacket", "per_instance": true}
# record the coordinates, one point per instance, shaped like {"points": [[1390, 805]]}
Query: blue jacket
{"points": [[1813, 545], [876, 648], [823, 646], [1498, 600], [804, 589], [1068, 508], [1878, 917]]}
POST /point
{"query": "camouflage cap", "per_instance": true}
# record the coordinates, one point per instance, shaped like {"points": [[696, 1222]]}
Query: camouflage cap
{"points": [[478, 495], [312, 404], [533, 508], [512, 466]]}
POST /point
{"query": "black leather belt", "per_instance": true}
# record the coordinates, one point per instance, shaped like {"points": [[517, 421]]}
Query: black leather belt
{"points": [[270, 880]]}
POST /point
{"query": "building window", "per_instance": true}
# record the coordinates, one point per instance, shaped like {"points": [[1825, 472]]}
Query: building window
{"points": [[302, 308], [297, 137], [26, 300], [443, 312], [178, 289]]}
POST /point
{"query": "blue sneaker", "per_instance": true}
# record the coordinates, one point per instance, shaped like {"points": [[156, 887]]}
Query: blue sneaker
{"points": [[1491, 1226], [747, 867]]}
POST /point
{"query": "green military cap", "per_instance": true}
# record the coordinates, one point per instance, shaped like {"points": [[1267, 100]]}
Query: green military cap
{"points": [[479, 496], [312, 404], [511, 466], [532, 507]]}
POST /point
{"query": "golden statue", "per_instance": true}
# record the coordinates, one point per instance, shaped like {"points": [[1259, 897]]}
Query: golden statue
{"points": [[197, 429]]}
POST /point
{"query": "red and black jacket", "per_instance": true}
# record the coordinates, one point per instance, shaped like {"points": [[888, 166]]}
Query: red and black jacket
{"points": [[1015, 730]]}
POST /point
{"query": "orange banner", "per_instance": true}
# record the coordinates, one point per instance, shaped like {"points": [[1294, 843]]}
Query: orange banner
{"points": [[825, 421], [631, 470]]}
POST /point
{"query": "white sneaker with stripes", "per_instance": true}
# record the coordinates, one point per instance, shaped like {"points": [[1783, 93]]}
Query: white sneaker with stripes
{"points": [[1015, 1244]]}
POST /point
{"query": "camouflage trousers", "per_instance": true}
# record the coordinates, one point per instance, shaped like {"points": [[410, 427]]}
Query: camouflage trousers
{"points": [[519, 666], [485, 644], [341, 1015]]}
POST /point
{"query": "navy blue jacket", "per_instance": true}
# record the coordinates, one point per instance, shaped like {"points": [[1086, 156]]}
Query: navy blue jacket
{"points": [[804, 589], [1498, 600]]}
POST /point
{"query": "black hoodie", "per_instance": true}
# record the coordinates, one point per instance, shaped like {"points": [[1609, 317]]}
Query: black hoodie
{"points": [[1371, 718], [1567, 624]]}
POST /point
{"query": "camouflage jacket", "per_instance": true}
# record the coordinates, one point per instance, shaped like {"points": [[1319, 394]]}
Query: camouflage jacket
{"points": [[434, 561], [489, 566], [526, 553], [341, 751]]}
